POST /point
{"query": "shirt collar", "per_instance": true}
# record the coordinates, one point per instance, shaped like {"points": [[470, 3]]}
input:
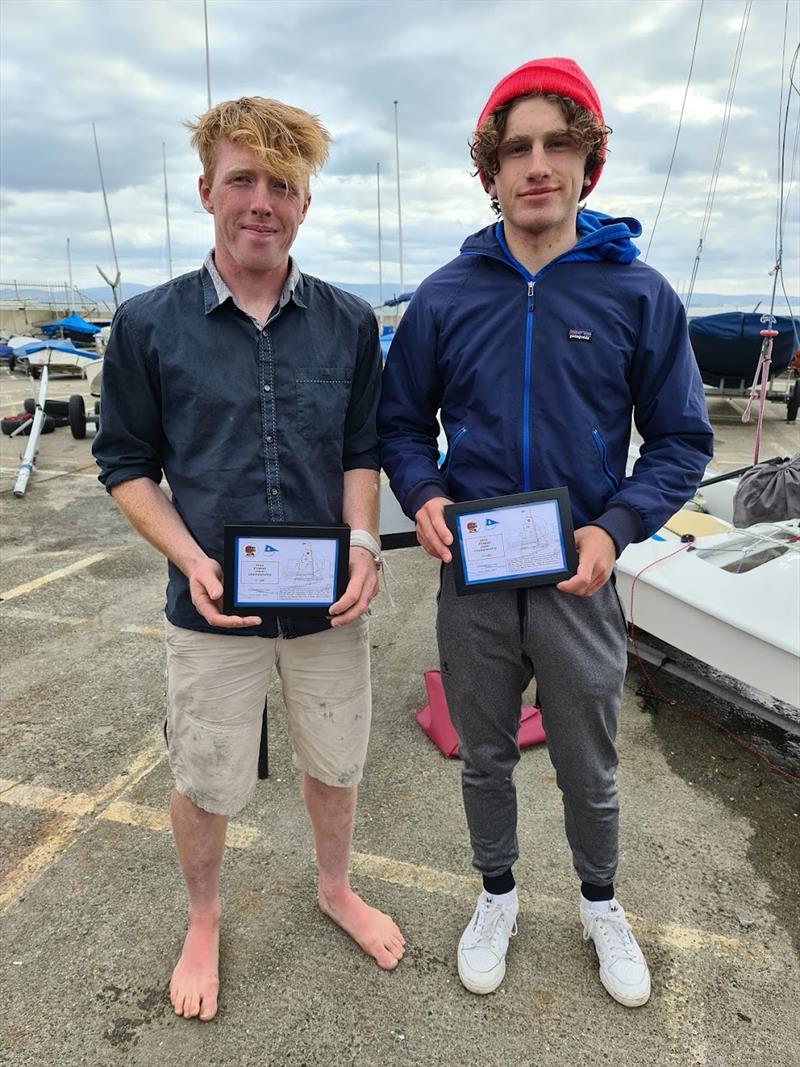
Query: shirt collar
{"points": [[218, 292]]}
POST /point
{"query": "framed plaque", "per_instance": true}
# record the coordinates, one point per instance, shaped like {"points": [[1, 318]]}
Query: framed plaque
{"points": [[284, 568], [509, 542]]}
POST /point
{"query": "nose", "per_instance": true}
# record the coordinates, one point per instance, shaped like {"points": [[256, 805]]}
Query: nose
{"points": [[261, 202], [538, 161]]}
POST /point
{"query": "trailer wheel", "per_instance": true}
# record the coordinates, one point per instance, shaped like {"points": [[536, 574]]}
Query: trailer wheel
{"points": [[793, 402], [59, 409], [77, 416], [13, 422]]}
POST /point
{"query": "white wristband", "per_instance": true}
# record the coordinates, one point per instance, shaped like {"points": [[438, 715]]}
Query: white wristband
{"points": [[363, 539]]}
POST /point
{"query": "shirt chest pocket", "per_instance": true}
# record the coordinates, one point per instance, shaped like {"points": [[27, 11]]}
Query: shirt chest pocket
{"points": [[323, 394]]}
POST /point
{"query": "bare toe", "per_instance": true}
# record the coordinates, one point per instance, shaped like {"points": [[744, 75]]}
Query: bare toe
{"points": [[209, 1009], [385, 959]]}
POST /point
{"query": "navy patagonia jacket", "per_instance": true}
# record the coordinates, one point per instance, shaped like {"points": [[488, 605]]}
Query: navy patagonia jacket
{"points": [[536, 377]]}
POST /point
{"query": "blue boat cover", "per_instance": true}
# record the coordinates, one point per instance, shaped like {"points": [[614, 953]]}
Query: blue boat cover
{"points": [[73, 323], [729, 344], [387, 334], [57, 346], [395, 301]]}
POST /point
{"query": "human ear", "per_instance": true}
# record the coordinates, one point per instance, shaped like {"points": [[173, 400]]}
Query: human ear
{"points": [[204, 190]]}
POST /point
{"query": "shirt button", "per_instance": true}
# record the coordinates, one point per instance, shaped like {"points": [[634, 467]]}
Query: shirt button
{"points": [[269, 438], [267, 388], [274, 492]]}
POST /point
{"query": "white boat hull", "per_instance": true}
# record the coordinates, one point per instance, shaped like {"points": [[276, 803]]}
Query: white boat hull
{"points": [[745, 624], [63, 361]]}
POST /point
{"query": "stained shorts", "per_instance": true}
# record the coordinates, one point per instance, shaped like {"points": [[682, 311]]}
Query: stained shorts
{"points": [[216, 688]]}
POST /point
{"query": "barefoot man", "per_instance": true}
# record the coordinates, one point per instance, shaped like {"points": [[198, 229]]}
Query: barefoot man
{"points": [[253, 388]]}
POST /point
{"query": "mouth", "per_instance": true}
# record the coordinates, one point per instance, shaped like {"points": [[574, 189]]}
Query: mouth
{"points": [[260, 231], [535, 194]]}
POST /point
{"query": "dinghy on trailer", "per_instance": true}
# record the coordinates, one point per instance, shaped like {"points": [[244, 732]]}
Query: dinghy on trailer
{"points": [[60, 355], [727, 597]]}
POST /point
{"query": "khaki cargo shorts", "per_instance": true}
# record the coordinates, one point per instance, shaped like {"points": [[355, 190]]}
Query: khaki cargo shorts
{"points": [[216, 687]]}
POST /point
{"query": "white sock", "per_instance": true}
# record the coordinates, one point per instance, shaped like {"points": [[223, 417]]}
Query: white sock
{"points": [[600, 906], [506, 900]]}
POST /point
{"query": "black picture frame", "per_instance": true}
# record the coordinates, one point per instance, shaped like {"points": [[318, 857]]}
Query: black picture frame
{"points": [[275, 531], [569, 559]]}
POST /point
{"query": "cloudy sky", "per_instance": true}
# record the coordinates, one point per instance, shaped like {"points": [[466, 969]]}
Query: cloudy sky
{"points": [[136, 68]]}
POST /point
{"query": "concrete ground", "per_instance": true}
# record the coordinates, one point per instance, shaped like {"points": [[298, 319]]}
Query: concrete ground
{"points": [[92, 903]]}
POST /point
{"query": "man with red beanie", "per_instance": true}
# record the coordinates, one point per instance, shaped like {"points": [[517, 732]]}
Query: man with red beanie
{"points": [[535, 346]]}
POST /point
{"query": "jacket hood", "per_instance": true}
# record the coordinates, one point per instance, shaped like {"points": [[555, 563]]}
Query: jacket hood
{"points": [[600, 237]]}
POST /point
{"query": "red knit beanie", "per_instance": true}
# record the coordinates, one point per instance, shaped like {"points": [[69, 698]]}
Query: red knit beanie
{"points": [[555, 75]]}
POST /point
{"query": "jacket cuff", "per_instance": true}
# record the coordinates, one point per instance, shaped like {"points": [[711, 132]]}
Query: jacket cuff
{"points": [[622, 525], [421, 494]]}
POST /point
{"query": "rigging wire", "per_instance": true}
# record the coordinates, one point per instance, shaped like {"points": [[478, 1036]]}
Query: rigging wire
{"points": [[784, 187], [723, 136], [761, 377], [678, 131], [781, 141]]}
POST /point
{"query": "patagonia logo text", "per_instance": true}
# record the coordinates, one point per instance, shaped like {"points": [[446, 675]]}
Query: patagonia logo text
{"points": [[580, 335]]}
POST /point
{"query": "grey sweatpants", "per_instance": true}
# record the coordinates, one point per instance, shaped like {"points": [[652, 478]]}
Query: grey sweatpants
{"points": [[490, 645]]}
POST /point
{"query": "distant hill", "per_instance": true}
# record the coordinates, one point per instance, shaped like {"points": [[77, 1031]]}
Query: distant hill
{"points": [[57, 294], [102, 292], [370, 292], [741, 302]]}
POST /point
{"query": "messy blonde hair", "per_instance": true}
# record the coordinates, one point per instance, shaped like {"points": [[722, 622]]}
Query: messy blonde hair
{"points": [[288, 142], [586, 132]]}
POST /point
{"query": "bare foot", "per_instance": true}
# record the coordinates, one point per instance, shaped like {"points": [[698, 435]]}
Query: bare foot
{"points": [[376, 933], [195, 980]]}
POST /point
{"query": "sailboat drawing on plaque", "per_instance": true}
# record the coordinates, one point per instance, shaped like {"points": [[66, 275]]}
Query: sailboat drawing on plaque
{"points": [[307, 567], [530, 536]]}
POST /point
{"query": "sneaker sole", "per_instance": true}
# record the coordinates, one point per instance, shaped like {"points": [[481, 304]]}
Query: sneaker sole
{"points": [[480, 990], [626, 1002]]}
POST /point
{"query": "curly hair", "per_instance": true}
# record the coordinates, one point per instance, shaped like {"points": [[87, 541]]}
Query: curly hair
{"points": [[583, 128], [288, 142]]}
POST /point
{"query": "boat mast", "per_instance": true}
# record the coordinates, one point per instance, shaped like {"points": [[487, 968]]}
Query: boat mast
{"points": [[166, 205], [115, 284], [208, 63], [380, 243], [399, 213], [70, 308]]}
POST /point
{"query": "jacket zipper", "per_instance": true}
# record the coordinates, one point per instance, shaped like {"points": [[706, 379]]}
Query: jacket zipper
{"points": [[526, 398], [600, 445], [457, 438]]}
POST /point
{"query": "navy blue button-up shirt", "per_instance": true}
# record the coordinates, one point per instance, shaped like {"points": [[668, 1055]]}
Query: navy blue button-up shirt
{"points": [[248, 423]]}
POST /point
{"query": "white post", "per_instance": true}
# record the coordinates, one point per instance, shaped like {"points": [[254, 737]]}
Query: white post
{"points": [[28, 459]]}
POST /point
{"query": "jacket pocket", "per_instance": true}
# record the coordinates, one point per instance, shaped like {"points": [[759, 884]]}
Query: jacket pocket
{"points": [[458, 437], [602, 452], [322, 395]]}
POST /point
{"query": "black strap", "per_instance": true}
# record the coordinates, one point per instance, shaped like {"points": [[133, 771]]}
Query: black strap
{"points": [[263, 746]]}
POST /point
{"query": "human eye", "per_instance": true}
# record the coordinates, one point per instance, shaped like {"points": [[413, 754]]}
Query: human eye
{"points": [[280, 186], [241, 179]]}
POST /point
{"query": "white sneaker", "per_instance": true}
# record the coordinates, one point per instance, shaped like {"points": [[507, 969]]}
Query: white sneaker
{"points": [[483, 945], [623, 970]]}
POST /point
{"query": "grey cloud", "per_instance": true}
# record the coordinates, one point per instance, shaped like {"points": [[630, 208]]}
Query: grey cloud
{"points": [[140, 73]]}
